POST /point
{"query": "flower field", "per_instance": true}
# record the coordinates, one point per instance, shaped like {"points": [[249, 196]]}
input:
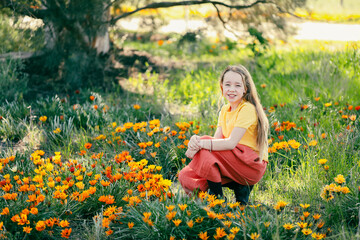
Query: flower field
{"points": [[93, 165]]}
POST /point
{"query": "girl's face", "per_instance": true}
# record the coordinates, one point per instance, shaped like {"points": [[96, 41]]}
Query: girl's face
{"points": [[233, 87]]}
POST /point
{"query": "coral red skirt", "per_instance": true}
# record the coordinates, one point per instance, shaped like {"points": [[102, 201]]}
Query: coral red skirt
{"points": [[241, 165]]}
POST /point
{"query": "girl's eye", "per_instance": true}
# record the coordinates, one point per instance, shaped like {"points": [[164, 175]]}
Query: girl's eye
{"points": [[227, 85], [238, 85]]}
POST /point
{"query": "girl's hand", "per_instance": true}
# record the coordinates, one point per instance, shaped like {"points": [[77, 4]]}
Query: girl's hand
{"points": [[194, 143], [190, 153]]}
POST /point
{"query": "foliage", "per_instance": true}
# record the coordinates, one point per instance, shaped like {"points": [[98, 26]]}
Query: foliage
{"points": [[13, 82], [108, 162]]}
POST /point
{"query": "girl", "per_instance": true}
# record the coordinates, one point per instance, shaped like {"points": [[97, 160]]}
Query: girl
{"points": [[236, 157]]}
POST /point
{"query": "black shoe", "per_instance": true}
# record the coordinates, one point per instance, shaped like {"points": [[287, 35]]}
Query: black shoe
{"points": [[242, 192]]}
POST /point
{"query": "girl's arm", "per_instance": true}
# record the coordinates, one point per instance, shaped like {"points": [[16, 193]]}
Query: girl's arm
{"points": [[218, 133], [225, 143]]}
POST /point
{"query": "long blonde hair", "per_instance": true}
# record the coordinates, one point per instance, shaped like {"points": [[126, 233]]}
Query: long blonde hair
{"points": [[251, 96]]}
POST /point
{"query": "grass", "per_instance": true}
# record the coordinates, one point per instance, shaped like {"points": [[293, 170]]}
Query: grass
{"points": [[109, 161]]}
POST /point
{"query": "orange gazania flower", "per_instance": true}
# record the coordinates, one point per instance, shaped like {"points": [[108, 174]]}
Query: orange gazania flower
{"points": [[177, 222], [160, 42], [87, 145], [92, 98], [203, 235], [352, 117], [136, 107], [66, 232], [34, 211], [220, 233], [5, 211], [170, 215], [40, 226], [26, 229], [130, 225], [43, 118]]}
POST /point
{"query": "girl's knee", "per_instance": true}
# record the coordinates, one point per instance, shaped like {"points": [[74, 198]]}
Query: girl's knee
{"points": [[183, 172]]}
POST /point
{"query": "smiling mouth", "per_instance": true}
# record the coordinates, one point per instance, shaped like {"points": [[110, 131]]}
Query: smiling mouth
{"points": [[231, 95]]}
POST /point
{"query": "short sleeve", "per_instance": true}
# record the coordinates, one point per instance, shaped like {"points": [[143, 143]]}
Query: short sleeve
{"points": [[246, 117]]}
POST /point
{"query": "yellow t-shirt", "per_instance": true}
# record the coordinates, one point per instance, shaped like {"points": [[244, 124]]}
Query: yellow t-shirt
{"points": [[244, 116]]}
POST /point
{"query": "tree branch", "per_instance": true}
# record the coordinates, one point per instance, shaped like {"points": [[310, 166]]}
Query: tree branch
{"points": [[224, 22], [24, 10], [186, 3]]}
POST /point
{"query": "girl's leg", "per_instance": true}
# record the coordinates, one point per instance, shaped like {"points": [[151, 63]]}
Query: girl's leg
{"points": [[215, 188], [242, 192]]}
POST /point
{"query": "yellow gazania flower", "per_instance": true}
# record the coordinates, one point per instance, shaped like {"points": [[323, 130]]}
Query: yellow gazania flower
{"points": [[234, 230], [254, 236], [317, 236], [227, 223], [170, 208], [64, 223], [327, 104], [288, 226], [322, 161], [305, 206], [280, 205], [182, 206], [306, 231], [302, 224], [345, 190], [313, 143], [339, 179], [230, 236], [266, 224], [57, 130]]}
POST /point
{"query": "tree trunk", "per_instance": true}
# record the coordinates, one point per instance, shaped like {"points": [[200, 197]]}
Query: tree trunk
{"points": [[76, 45]]}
